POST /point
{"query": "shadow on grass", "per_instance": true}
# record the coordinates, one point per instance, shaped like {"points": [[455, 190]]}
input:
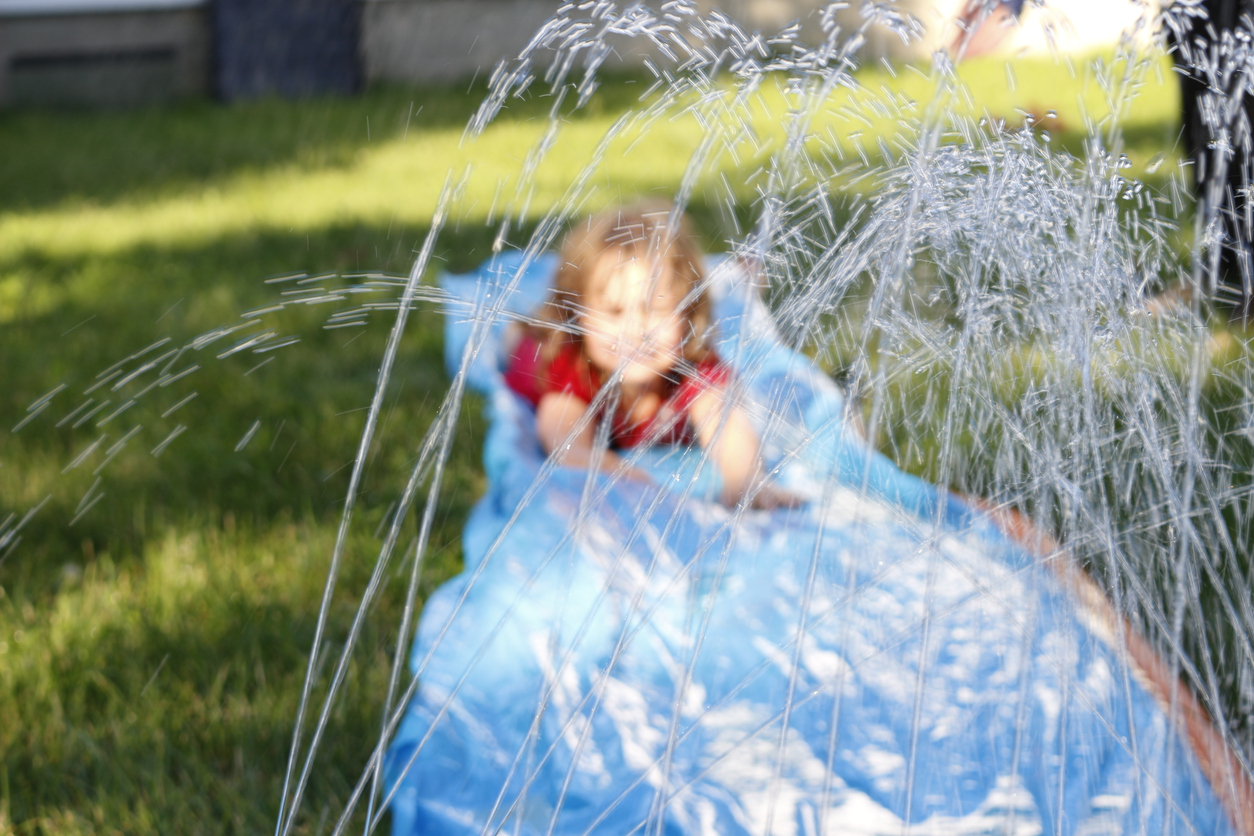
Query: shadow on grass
{"points": [[175, 708], [308, 397], [152, 653]]}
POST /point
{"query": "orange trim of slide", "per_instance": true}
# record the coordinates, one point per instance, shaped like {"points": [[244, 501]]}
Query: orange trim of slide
{"points": [[1219, 763]]}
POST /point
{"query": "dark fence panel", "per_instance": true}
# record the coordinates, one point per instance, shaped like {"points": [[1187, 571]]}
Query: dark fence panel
{"points": [[286, 47]]}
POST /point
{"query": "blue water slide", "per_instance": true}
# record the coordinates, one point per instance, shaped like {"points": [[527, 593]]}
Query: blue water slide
{"points": [[626, 658]]}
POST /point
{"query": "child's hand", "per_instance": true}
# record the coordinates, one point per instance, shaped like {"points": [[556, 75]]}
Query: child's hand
{"points": [[557, 418], [733, 444], [633, 474], [762, 494], [770, 496]]}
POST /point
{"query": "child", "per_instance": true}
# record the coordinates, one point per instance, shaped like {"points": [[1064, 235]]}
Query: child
{"points": [[628, 307]]}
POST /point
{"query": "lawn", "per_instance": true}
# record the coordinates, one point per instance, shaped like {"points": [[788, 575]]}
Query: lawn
{"points": [[156, 616]]}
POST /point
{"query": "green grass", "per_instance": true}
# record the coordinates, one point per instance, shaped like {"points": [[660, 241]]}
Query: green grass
{"points": [[151, 653]]}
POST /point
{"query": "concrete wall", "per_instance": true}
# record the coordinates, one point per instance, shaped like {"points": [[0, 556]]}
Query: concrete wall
{"points": [[428, 40], [439, 40], [120, 52], [1067, 27], [774, 15], [111, 58]]}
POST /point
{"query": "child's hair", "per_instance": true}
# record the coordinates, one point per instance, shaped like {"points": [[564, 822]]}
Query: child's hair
{"points": [[599, 244]]}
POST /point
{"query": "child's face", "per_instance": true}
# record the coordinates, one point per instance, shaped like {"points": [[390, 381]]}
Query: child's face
{"points": [[632, 319]]}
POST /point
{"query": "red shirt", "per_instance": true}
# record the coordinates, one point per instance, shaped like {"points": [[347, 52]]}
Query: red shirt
{"points": [[570, 371]]}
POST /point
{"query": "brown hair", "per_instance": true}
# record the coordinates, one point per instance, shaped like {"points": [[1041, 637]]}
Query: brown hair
{"points": [[638, 231]]}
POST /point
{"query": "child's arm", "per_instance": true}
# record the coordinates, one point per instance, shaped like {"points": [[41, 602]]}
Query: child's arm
{"points": [[557, 417], [726, 433]]}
